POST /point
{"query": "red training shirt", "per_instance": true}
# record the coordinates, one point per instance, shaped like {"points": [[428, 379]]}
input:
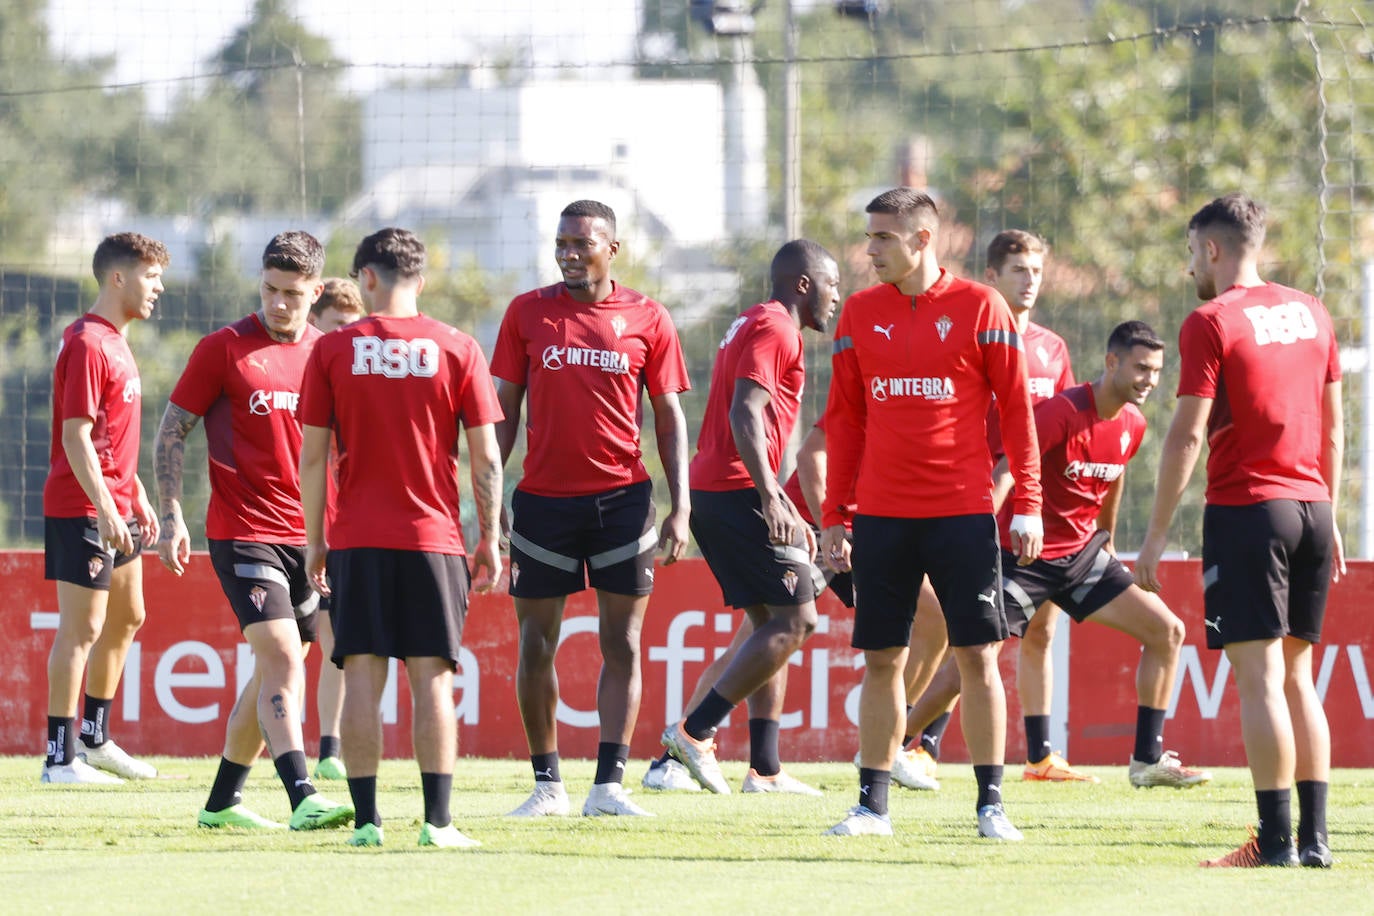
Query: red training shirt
{"points": [[395, 390], [247, 385], [1049, 372], [764, 345], [1264, 354], [95, 377], [583, 366], [1081, 456], [906, 422]]}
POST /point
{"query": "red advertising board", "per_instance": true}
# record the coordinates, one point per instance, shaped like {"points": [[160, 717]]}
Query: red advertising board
{"points": [[188, 663]]}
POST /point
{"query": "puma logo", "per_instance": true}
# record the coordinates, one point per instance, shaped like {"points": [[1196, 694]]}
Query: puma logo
{"points": [[885, 331], [989, 598], [1214, 624], [547, 774], [553, 322]]}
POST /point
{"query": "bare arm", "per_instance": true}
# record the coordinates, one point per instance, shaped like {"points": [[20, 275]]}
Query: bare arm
{"points": [[811, 467], [80, 451], [670, 430], [169, 462], [1182, 445], [1111, 506], [314, 478], [747, 405], [1333, 455], [485, 456], [511, 396]]}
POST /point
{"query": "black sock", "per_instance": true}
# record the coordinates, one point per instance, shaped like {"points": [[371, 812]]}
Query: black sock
{"points": [[989, 780], [1276, 819], [95, 721], [437, 788], [907, 739], [329, 746], [933, 733], [873, 786], [363, 791], [227, 790], [710, 712], [661, 761], [61, 740], [294, 776], [545, 768], [1149, 734], [610, 762], [763, 747], [1037, 738], [1311, 812]]}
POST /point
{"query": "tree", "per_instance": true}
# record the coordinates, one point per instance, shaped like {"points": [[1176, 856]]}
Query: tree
{"points": [[273, 132], [57, 131]]}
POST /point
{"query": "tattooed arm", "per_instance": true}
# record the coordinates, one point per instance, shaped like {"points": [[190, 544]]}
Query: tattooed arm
{"points": [[174, 541], [485, 456]]}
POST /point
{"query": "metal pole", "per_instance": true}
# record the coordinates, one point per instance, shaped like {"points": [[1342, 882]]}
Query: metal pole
{"points": [[1367, 419], [791, 127]]}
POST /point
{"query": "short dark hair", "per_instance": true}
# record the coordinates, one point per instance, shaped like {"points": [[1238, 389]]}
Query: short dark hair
{"points": [[395, 254], [594, 209], [125, 248], [797, 257], [1128, 335], [341, 295], [915, 208], [295, 252], [1014, 241], [1234, 220]]}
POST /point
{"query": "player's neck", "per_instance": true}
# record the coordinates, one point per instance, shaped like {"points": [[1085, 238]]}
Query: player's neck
{"points": [[1021, 318], [1241, 272], [926, 274], [397, 304], [110, 309], [592, 294], [1108, 404]]}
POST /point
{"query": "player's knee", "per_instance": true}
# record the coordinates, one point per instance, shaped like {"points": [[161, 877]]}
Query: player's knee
{"points": [[620, 651], [1036, 641]]}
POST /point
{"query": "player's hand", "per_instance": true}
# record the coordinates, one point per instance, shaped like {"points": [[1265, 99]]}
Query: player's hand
{"points": [[174, 544], [1337, 554], [1147, 564], [113, 532], [672, 538], [1027, 538], [315, 555], [147, 519], [781, 519], [835, 548], [486, 565]]}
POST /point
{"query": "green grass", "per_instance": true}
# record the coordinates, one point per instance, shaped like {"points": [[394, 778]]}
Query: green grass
{"points": [[1092, 849]]}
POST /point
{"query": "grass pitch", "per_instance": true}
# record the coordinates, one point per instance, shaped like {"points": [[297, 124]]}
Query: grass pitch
{"points": [[1088, 848]]}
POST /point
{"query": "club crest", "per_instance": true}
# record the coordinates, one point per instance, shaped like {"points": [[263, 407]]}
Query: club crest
{"points": [[618, 324], [943, 325], [1125, 442], [789, 581], [514, 573], [258, 595], [94, 565]]}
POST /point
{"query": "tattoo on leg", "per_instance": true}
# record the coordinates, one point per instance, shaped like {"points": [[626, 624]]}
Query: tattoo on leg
{"points": [[278, 707]]}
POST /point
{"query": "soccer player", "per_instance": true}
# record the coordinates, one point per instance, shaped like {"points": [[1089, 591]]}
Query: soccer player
{"points": [[97, 517], [1015, 268], [758, 546], [1261, 384], [244, 380], [395, 387], [583, 512], [918, 359], [1087, 435], [339, 305]]}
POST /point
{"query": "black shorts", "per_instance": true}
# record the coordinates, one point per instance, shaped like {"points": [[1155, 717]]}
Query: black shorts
{"points": [[1082, 584], [72, 552], [728, 527], [1266, 570], [960, 554], [267, 582], [397, 603], [559, 544]]}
